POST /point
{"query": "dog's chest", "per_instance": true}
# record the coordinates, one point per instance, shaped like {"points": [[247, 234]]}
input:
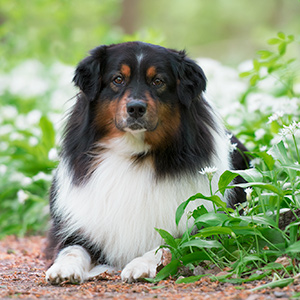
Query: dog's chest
{"points": [[121, 204]]}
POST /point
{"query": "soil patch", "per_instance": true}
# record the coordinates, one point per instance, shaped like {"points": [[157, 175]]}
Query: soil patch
{"points": [[22, 276]]}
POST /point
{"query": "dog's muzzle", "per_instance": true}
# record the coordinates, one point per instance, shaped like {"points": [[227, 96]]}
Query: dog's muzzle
{"points": [[136, 111]]}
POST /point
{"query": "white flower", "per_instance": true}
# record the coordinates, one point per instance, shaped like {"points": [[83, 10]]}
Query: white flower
{"points": [[248, 192], [22, 196], [33, 141], [263, 148], [4, 146], [9, 112], [289, 130], [28, 79], [42, 176], [26, 181], [209, 172], [33, 117], [259, 134], [232, 146], [3, 169], [275, 116], [6, 129], [53, 154], [254, 162], [15, 136]]}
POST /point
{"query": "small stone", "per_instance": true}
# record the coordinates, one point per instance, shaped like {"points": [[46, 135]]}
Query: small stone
{"points": [[280, 294], [198, 271]]}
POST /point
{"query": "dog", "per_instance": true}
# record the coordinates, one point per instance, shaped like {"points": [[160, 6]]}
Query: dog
{"points": [[135, 141]]}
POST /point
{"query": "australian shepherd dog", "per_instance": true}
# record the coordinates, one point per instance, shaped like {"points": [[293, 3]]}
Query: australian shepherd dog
{"points": [[135, 141]]}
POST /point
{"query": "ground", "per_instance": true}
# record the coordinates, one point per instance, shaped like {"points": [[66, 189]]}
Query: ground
{"points": [[22, 276]]}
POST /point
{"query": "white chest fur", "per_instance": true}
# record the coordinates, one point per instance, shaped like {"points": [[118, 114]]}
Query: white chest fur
{"points": [[121, 204]]}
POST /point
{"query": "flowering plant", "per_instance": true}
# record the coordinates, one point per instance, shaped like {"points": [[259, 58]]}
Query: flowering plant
{"points": [[256, 235]]}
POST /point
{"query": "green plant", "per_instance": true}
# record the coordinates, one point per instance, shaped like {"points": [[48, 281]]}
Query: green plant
{"points": [[27, 158], [243, 243], [252, 237]]}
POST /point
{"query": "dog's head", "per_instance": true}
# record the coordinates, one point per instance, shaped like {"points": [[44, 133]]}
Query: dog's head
{"points": [[139, 87]]}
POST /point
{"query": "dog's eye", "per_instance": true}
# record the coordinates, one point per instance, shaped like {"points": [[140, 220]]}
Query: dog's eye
{"points": [[119, 80], [157, 82]]}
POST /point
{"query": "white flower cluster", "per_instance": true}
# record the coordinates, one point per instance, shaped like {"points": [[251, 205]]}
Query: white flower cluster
{"points": [[209, 172], [290, 129]]}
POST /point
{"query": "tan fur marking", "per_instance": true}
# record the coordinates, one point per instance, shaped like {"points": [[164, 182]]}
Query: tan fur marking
{"points": [[151, 72], [126, 71], [105, 118], [168, 124]]}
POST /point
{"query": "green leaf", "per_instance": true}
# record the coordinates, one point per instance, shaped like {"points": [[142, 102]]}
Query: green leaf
{"points": [[259, 220], [199, 211], [278, 283], [245, 230], [256, 65], [212, 219], [282, 48], [279, 152], [263, 186], [181, 208], [254, 79], [215, 199], [292, 167], [215, 230], [273, 266], [245, 74], [168, 270], [267, 158], [48, 132], [281, 35], [199, 243], [190, 279], [167, 237], [250, 175], [294, 248], [264, 54], [251, 258], [194, 257], [225, 179], [274, 41]]}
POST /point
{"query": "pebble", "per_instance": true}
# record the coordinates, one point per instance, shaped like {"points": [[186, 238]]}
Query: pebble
{"points": [[280, 294]]}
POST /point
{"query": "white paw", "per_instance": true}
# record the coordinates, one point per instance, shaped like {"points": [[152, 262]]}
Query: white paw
{"points": [[140, 267], [72, 273], [72, 264]]}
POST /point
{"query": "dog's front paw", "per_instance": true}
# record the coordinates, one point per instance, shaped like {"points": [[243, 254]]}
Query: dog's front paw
{"points": [[72, 264], [72, 273], [140, 267]]}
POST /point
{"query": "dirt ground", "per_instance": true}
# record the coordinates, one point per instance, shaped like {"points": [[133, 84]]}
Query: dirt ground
{"points": [[22, 276]]}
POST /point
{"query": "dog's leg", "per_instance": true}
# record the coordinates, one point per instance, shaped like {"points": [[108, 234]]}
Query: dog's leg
{"points": [[72, 264], [143, 266]]}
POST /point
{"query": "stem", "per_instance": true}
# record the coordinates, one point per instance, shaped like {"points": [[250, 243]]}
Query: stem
{"points": [[297, 151], [212, 259], [211, 193], [278, 211]]}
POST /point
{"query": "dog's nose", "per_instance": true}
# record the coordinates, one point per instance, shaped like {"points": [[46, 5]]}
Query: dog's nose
{"points": [[136, 108]]}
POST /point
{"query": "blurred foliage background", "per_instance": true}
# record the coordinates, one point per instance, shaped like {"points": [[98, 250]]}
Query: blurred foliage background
{"points": [[42, 40], [65, 30]]}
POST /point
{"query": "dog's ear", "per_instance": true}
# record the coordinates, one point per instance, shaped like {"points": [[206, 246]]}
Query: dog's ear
{"points": [[88, 73], [191, 80]]}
